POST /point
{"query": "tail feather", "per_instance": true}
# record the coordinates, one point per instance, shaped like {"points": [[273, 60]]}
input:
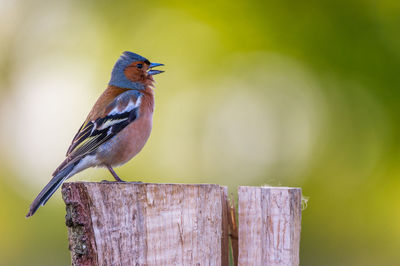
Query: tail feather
{"points": [[50, 188]]}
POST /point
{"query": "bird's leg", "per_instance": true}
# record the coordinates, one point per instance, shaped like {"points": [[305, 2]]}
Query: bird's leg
{"points": [[114, 174]]}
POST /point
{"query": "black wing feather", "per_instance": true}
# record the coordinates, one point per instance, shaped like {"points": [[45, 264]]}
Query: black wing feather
{"points": [[94, 133]]}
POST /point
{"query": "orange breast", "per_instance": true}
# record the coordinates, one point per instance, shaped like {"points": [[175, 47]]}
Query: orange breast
{"points": [[130, 141]]}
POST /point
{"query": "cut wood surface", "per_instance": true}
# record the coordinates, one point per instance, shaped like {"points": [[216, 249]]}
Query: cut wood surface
{"points": [[269, 225], [146, 224]]}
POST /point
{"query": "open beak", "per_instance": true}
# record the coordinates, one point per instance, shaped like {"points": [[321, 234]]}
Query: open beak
{"points": [[154, 71]]}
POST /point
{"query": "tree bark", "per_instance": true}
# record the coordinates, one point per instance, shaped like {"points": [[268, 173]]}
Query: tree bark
{"points": [[269, 225], [146, 224]]}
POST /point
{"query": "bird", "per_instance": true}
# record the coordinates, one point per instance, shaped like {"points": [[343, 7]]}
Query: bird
{"points": [[117, 127]]}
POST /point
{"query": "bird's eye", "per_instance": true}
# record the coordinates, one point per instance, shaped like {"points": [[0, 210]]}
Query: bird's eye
{"points": [[139, 66]]}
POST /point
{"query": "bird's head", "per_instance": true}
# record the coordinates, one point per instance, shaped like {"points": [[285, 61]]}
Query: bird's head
{"points": [[133, 71]]}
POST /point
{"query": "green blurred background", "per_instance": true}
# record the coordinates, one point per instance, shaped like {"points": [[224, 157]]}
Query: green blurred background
{"points": [[294, 93]]}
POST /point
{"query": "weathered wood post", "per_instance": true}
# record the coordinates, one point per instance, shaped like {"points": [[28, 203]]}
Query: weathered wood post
{"points": [[146, 224], [269, 225]]}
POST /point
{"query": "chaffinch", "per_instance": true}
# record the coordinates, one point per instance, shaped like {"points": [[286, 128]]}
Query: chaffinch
{"points": [[116, 128]]}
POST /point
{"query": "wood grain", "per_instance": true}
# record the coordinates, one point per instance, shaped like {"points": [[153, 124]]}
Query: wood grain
{"points": [[269, 225], [146, 224]]}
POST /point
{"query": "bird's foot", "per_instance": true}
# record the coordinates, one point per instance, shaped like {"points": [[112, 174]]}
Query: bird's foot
{"points": [[116, 181], [121, 181]]}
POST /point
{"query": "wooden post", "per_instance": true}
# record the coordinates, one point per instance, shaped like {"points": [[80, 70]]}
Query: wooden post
{"points": [[269, 225], [146, 224]]}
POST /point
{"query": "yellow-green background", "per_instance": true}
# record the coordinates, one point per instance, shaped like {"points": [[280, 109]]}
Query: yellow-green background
{"points": [[294, 93]]}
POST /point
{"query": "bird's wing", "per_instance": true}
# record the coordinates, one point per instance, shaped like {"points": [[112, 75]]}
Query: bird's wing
{"points": [[118, 114]]}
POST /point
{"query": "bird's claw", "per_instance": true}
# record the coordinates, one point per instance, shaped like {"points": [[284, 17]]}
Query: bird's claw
{"points": [[121, 181], [116, 181]]}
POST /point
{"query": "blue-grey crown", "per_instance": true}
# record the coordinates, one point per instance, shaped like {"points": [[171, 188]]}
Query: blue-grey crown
{"points": [[118, 77]]}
